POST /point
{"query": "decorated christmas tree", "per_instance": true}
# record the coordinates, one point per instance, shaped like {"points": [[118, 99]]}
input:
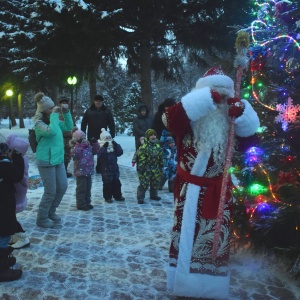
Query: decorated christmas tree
{"points": [[268, 190]]}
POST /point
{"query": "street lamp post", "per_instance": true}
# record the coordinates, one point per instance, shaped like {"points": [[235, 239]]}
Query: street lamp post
{"points": [[9, 93], [72, 80]]}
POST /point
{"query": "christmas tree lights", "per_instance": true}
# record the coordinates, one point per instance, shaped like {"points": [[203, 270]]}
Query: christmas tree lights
{"points": [[268, 193]]}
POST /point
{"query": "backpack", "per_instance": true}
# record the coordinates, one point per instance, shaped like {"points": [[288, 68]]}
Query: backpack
{"points": [[32, 140]]}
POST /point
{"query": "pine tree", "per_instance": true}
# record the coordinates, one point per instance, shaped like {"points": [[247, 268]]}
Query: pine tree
{"points": [[268, 193], [129, 108]]}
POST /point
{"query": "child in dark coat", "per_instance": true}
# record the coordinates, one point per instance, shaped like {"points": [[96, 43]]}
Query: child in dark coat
{"points": [[149, 166], [108, 157], [20, 240], [11, 172], [83, 155]]}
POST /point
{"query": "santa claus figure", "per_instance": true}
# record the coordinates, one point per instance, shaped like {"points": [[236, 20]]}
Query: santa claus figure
{"points": [[200, 122]]}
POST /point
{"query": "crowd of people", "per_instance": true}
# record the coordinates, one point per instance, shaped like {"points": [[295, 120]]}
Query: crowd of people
{"points": [[185, 145], [58, 142]]}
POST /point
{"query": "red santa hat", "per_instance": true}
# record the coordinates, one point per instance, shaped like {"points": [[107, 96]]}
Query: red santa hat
{"points": [[216, 79]]}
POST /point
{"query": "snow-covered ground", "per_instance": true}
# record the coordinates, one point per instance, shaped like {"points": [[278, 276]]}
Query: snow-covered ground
{"points": [[119, 250]]}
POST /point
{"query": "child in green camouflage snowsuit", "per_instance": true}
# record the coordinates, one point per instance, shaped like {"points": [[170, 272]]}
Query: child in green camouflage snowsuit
{"points": [[149, 166]]}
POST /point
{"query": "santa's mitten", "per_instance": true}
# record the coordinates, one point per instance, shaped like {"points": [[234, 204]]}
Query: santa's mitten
{"points": [[236, 107], [216, 96]]}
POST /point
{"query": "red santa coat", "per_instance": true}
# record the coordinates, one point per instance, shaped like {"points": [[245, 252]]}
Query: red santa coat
{"points": [[191, 271]]}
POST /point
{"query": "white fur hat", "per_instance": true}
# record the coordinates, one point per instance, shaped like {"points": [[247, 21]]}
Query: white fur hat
{"points": [[218, 81], [43, 102], [104, 134]]}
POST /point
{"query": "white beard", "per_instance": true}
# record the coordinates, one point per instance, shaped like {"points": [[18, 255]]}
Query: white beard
{"points": [[211, 133]]}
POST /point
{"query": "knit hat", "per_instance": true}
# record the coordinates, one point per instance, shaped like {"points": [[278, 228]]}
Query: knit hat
{"points": [[149, 133], [77, 135], [13, 141], [3, 148], [99, 97], [104, 134], [43, 102], [216, 79], [170, 140]]}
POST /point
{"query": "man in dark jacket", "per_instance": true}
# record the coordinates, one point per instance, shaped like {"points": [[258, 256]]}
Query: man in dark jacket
{"points": [[141, 123], [96, 117]]}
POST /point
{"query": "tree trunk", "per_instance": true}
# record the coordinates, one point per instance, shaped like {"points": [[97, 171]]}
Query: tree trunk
{"points": [[93, 83], [20, 109], [12, 118], [146, 88]]}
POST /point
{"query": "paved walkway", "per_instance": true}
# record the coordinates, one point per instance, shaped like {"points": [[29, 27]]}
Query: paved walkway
{"points": [[119, 251]]}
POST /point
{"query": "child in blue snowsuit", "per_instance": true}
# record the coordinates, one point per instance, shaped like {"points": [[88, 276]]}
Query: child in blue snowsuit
{"points": [[170, 160]]}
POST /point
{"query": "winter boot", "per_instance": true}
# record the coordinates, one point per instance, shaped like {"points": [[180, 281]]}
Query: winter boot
{"points": [[11, 260], [13, 239], [53, 216], [117, 194], [23, 241], [45, 208], [66, 167], [140, 194], [45, 224], [7, 274], [153, 194], [171, 185]]}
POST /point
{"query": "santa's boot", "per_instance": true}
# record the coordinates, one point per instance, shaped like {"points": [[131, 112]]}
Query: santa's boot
{"points": [[7, 274]]}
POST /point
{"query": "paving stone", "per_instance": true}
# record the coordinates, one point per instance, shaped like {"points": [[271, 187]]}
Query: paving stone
{"points": [[117, 251]]}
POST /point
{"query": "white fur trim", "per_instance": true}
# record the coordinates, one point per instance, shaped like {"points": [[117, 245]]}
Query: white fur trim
{"points": [[248, 123], [180, 281], [197, 285], [198, 103], [220, 83]]}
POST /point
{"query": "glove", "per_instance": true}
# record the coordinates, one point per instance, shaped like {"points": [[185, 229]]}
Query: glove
{"points": [[56, 109], [236, 107], [65, 107], [216, 96], [93, 140], [133, 164], [105, 144]]}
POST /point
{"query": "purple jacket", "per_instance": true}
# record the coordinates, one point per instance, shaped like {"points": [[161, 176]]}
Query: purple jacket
{"points": [[83, 156], [22, 145]]}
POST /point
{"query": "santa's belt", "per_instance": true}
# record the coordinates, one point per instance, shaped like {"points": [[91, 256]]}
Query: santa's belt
{"points": [[212, 194]]}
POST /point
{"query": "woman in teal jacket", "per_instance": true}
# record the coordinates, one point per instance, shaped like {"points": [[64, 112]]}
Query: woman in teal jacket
{"points": [[50, 156]]}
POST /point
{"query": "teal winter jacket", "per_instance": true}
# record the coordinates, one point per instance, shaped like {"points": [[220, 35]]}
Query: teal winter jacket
{"points": [[50, 148]]}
